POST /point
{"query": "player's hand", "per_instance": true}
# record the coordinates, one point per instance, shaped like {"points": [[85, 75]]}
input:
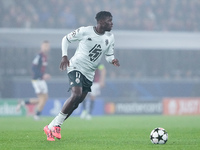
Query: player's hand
{"points": [[46, 76], [115, 62], [64, 63]]}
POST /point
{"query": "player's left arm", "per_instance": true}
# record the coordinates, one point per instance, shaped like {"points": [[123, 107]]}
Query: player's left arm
{"points": [[110, 55], [111, 59]]}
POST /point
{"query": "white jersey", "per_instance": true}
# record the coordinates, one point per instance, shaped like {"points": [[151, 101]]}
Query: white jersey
{"points": [[92, 46]]}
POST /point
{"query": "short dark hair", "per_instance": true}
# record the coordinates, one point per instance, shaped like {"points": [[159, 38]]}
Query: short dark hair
{"points": [[102, 15]]}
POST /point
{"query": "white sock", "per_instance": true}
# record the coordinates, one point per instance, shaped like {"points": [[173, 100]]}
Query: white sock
{"points": [[58, 120]]}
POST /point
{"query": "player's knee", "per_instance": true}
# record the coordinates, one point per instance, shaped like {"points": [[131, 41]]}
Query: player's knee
{"points": [[76, 95]]}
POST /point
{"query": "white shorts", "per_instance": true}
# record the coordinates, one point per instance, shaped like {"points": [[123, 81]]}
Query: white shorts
{"points": [[96, 89], [40, 86]]}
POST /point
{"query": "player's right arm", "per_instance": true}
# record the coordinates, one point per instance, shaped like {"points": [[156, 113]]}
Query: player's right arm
{"points": [[73, 36]]}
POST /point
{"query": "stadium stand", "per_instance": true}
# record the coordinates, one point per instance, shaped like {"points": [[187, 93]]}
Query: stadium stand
{"points": [[148, 15]]}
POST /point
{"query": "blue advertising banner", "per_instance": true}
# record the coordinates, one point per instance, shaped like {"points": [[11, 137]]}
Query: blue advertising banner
{"points": [[53, 107]]}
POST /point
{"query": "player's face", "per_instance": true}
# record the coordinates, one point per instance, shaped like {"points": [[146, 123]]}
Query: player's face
{"points": [[45, 47], [107, 24]]}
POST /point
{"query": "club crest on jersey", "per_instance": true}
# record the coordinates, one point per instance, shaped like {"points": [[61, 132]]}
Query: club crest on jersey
{"points": [[106, 42], [77, 80]]}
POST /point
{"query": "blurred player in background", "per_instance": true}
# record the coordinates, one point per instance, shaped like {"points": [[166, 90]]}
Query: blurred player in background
{"points": [[39, 65], [94, 42], [98, 83]]}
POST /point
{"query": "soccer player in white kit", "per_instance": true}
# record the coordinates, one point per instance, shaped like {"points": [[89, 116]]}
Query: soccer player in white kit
{"points": [[94, 42]]}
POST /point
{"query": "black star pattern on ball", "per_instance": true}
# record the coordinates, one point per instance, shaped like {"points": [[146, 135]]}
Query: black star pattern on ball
{"points": [[160, 137]]}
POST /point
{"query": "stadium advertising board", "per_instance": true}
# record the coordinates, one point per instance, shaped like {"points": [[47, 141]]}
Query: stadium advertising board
{"points": [[181, 106], [134, 108], [8, 108], [53, 107]]}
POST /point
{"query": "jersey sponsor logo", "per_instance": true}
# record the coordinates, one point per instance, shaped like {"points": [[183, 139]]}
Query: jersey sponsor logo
{"points": [[95, 52]]}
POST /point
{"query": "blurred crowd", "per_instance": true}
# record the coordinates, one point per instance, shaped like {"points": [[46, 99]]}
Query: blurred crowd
{"points": [[148, 15]]}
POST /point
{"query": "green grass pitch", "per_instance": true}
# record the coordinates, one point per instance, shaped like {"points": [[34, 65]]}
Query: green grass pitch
{"points": [[101, 133]]}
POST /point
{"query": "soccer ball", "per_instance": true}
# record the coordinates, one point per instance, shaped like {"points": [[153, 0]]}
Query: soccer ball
{"points": [[159, 136]]}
